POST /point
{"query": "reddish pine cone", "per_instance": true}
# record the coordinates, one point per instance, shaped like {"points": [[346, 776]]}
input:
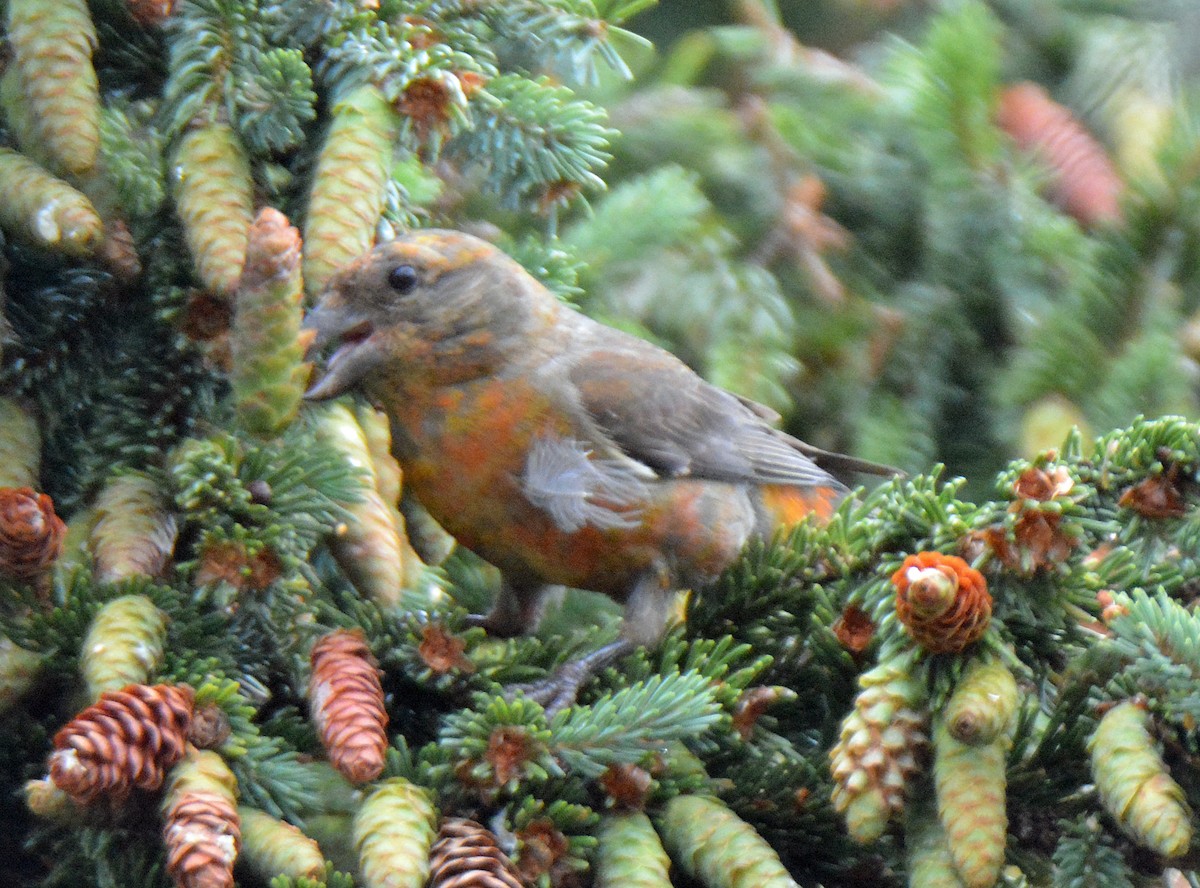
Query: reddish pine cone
{"points": [[201, 827], [128, 738], [151, 13], [942, 601], [466, 855], [202, 833], [1084, 184], [31, 535], [347, 704]]}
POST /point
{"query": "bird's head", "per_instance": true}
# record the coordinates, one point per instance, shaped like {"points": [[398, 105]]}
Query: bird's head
{"points": [[437, 302]]}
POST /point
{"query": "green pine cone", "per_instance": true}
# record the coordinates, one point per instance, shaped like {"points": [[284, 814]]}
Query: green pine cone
{"points": [[200, 770], [18, 669], [982, 705], [393, 832], [272, 847], [201, 828], [370, 547], [630, 854], [971, 785], [124, 644], [20, 446], [929, 863], [214, 196], [431, 542], [52, 47], [378, 435], [76, 550], [711, 843], [347, 194], [878, 750], [268, 374], [133, 534], [1134, 784], [19, 119], [43, 210]]}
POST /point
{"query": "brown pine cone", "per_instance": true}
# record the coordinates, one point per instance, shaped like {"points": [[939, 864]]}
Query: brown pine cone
{"points": [[1084, 182], [466, 855], [150, 13], [31, 535], [942, 601], [346, 702], [202, 834], [118, 252], [127, 739]]}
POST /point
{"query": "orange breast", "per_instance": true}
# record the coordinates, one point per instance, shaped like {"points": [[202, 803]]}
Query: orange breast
{"points": [[466, 452]]}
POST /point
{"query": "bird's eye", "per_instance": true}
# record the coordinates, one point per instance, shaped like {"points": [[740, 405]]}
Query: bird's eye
{"points": [[403, 279]]}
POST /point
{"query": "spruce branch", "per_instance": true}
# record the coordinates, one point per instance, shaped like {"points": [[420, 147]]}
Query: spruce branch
{"points": [[622, 727], [275, 100], [1161, 638], [573, 37], [222, 63], [1086, 855], [531, 137]]}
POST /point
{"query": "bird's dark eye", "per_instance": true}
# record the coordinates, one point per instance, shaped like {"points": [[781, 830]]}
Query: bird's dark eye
{"points": [[403, 279]]}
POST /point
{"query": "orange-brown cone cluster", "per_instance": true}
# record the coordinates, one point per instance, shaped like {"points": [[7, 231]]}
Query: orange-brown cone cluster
{"points": [[942, 601]]}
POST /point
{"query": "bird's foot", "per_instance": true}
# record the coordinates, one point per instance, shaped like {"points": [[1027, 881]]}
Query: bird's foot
{"points": [[557, 691]]}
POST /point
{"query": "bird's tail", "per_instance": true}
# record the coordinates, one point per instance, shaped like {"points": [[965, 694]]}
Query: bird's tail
{"points": [[839, 463]]}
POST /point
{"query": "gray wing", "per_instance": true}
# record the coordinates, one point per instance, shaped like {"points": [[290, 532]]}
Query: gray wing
{"points": [[663, 415]]}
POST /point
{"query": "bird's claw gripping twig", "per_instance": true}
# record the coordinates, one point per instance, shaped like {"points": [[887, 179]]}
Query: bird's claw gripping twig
{"points": [[557, 691]]}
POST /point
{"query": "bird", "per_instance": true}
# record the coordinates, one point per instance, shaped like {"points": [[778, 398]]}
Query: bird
{"points": [[561, 450]]}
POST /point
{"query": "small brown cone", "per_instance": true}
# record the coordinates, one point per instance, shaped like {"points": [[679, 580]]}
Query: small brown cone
{"points": [[346, 701], [151, 13], [466, 855], [201, 827], [31, 535], [942, 601], [1083, 181], [129, 738], [201, 838], [117, 252]]}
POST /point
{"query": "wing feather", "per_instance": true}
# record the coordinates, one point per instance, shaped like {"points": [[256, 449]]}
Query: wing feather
{"points": [[659, 412]]}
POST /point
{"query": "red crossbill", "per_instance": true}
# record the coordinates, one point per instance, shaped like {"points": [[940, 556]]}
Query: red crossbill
{"points": [[559, 449]]}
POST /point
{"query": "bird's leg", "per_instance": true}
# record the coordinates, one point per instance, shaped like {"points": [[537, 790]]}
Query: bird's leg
{"points": [[646, 614], [517, 610]]}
